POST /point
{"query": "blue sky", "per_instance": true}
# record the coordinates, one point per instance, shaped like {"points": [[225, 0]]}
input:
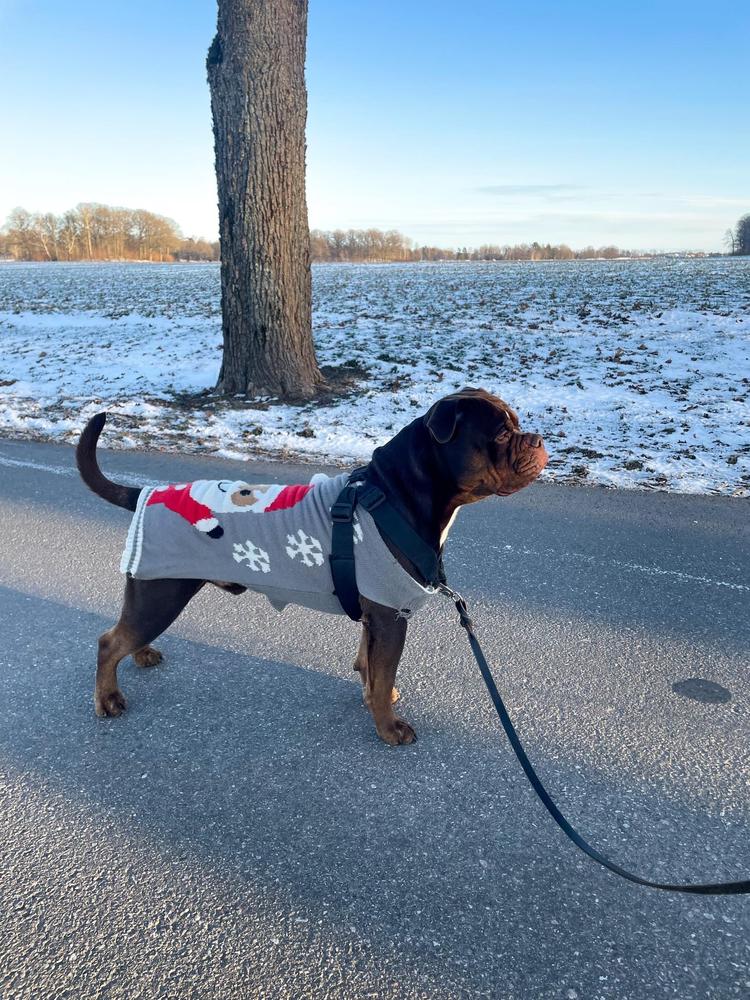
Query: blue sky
{"points": [[456, 123]]}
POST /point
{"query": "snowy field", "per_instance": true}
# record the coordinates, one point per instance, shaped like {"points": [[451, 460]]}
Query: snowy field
{"points": [[637, 373]]}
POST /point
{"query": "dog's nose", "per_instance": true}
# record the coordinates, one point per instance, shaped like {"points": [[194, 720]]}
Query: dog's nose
{"points": [[533, 441]]}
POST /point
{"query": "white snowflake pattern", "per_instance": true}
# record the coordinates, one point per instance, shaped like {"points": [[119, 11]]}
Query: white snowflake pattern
{"points": [[306, 547], [255, 557], [356, 530]]}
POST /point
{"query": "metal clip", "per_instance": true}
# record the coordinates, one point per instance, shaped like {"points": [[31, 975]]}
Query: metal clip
{"points": [[463, 611], [443, 588]]}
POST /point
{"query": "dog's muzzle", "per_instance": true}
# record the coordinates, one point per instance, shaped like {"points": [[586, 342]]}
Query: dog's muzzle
{"points": [[531, 456]]}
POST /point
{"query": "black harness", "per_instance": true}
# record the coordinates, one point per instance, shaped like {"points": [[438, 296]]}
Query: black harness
{"points": [[391, 525], [394, 528]]}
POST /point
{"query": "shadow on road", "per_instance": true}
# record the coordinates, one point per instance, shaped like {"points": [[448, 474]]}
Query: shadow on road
{"points": [[437, 854]]}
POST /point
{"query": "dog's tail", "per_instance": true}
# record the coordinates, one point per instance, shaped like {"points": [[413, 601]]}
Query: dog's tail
{"points": [[92, 475]]}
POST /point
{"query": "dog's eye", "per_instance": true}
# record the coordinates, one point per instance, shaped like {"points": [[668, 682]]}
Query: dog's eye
{"points": [[503, 437]]}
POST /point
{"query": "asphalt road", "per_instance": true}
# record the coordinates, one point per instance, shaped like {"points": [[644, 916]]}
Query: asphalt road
{"points": [[241, 832]]}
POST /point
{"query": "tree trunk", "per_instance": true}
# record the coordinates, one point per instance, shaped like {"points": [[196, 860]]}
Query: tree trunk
{"points": [[256, 72]]}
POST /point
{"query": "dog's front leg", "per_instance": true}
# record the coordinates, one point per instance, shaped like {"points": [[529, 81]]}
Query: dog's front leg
{"points": [[380, 650]]}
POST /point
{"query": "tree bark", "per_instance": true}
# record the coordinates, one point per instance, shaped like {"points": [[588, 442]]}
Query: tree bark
{"points": [[256, 73]]}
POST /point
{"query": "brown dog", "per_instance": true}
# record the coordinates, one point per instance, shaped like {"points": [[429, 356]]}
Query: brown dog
{"points": [[468, 446]]}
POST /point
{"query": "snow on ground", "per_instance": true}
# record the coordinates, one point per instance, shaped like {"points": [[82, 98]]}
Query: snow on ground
{"points": [[637, 373]]}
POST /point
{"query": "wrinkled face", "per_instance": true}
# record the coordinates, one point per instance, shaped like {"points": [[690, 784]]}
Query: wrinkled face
{"points": [[478, 440]]}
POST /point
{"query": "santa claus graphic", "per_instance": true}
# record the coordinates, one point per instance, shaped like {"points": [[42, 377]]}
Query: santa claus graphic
{"points": [[199, 502]]}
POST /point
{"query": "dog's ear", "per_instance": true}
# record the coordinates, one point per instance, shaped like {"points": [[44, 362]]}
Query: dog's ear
{"points": [[442, 417], [488, 414]]}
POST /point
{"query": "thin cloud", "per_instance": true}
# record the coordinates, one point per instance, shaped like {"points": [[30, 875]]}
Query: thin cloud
{"points": [[534, 220], [548, 190]]}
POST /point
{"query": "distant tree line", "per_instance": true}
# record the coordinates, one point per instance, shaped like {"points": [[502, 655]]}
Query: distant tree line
{"points": [[371, 245], [99, 232], [359, 245], [738, 239]]}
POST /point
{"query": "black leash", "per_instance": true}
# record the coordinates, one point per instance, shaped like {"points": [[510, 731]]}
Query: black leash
{"points": [[709, 889], [393, 526]]}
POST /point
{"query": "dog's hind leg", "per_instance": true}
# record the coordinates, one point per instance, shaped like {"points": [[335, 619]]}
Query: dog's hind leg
{"points": [[382, 643], [147, 657], [150, 607]]}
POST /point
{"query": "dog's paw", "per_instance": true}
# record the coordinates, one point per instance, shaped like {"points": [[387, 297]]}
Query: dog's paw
{"points": [[397, 732], [395, 695], [147, 657], [112, 703]]}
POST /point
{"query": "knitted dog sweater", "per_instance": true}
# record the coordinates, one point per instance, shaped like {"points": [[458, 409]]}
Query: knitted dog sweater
{"points": [[272, 539]]}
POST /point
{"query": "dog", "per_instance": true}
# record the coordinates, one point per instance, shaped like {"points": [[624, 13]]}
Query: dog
{"points": [[468, 446]]}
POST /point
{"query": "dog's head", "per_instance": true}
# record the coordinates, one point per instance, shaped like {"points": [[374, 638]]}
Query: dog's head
{"points": [[480, 445]]}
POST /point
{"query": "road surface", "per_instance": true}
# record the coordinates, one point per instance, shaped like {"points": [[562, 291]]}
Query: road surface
{"points": [[241, 832]]}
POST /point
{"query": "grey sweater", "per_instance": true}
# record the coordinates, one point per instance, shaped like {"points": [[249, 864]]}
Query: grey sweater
{"points": [[272, 539]]}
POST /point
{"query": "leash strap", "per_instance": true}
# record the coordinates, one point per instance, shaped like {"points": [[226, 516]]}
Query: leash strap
{"points": [[395, 528], [711, 889]]}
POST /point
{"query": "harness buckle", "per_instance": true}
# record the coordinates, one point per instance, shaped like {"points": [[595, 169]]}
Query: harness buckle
{"points": [[357, 475], [342, 511], [371, 497]]}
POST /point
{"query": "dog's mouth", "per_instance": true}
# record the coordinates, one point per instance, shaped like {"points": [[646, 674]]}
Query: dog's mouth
{"points": [[526, 459], [529, 456]]}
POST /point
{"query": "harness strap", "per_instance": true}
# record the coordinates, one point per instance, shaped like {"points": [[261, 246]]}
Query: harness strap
{"points": [[400, 533], [708, 889], [391, 526], [341, 558]]}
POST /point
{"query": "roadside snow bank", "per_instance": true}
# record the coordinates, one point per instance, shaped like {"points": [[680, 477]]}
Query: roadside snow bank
{"points": [[636, 373]]}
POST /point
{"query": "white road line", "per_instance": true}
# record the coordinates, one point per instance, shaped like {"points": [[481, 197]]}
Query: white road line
{"points": [[58, 470], [688, 577], [621, 564], [65, 470]]}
